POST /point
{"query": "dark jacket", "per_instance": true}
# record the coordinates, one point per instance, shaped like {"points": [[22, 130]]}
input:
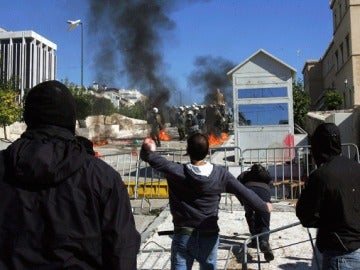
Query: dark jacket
{"points": [[331, 198], [62, 208], [257, 176], [194, 199]]}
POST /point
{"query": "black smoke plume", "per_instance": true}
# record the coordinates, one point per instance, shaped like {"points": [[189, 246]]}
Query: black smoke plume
{"points": [[127, 39], [209, 75]]}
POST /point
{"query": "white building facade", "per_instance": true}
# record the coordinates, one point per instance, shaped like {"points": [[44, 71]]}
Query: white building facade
{"points": [[28, 57], [121, 97], [130, 96]]}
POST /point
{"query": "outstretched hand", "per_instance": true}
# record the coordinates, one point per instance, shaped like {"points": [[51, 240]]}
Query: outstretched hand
{"points": [[149, 145]]}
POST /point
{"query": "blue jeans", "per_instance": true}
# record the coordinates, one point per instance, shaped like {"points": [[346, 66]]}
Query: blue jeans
{"points": [[185, 249], [333, 260]]}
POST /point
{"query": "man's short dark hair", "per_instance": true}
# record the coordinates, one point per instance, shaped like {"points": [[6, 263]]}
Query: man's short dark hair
{"points": [[197, 146]]}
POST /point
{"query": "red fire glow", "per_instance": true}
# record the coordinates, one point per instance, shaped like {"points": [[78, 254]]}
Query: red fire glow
{"points": [[164, 136], [216, 140]]}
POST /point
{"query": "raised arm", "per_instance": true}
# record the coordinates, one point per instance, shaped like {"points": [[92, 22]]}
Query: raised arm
{"points": [[157, 162]]}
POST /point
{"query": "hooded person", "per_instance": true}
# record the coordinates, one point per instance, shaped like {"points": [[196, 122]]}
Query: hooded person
{"points": [[325, 143], [61, 207], [258, 179], [330, 200]]}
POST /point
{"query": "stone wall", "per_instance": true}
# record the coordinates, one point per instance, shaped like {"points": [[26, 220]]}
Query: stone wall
{"points": [[13, 131]]}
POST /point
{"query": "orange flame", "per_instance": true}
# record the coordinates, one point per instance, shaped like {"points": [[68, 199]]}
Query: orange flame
{"points": [[164, 136], [100, 143], [214, 140]]}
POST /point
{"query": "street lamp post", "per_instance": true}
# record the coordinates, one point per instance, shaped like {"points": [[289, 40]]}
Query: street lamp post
{"points": [[72, 25]]}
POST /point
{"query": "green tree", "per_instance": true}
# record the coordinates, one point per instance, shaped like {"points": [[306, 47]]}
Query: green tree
{"points": [[83, 104], [333, 100], [137, 111], [301, 103], [10, 109], [103, 106], [83, 100], [88, 104]]}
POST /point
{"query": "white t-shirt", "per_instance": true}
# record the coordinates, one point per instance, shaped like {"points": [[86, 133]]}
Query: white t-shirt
{"points": [[204, 170]]}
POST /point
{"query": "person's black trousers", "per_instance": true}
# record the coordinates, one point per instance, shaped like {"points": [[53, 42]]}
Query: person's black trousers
{"points": [[258, 222]]}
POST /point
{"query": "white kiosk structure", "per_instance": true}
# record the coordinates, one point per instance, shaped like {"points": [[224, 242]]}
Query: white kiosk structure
{"points": [[263, 104]]}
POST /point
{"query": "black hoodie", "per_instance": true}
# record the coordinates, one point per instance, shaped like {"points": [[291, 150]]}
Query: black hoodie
{"points": [[61, 207], [331, 198]]}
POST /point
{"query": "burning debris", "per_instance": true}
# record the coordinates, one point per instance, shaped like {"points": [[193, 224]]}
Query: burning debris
{"points": [[213, 140], [164, 136], [214, 120]]}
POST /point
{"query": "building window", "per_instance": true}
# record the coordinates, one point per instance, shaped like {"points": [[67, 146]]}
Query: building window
{"points": [[340, 10], [263, 114], [337, 60], [330, 63], [334, 18], [342, 60], [262, 92], [347, 46]]}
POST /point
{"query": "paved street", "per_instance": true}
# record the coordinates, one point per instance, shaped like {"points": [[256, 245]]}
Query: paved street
{"points": [[292, 247]]}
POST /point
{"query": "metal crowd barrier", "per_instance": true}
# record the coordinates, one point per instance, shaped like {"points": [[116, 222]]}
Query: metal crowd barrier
{"points": [[126, 164], [282, 228], [288, 166]]}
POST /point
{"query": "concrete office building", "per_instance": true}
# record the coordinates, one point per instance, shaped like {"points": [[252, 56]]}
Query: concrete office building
{"points": [[339, 67], [27, 57]]}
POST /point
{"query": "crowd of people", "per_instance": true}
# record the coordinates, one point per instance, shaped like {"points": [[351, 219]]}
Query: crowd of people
{"points": [[63, 208], [205, 119]]}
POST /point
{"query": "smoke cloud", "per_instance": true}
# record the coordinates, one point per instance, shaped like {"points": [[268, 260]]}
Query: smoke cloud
{"points": [[127, 40], [128, 35], [209, 75]]}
